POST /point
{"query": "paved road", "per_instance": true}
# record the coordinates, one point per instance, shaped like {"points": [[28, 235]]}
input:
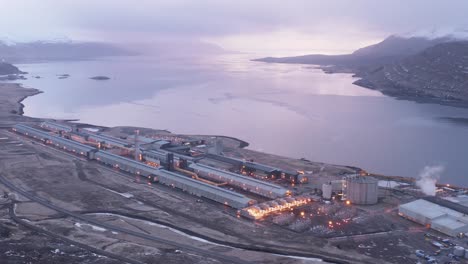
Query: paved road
{"points": [[198, 251]]}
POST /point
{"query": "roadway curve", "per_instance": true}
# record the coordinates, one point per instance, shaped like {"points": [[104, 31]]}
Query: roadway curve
{"points": [[97, 251], [200, 252]]}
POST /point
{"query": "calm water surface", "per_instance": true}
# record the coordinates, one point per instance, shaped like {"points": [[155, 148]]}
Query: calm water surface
{"points": [[291, 110]]}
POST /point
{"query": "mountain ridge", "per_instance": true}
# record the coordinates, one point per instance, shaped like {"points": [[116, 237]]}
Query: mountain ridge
{"points": [[408, 68]]}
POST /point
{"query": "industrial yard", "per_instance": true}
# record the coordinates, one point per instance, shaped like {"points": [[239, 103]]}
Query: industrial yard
{"points": [[134, 194]]}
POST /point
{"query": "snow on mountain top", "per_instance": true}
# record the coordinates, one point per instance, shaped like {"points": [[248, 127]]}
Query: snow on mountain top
{"points": [[435, 33]]}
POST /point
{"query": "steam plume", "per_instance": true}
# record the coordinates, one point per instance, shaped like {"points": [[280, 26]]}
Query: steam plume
{"points": [[428, 178]]}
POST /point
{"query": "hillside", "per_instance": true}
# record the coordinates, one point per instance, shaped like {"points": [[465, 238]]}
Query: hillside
{"points": [[49, 51], [439, 72], [389, 50], [6, 69], [414, 68]]}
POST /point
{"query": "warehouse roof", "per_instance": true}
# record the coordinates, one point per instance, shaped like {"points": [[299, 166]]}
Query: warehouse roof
{"points": [[203, 186], [449, 222], [261, 167], [238, 177], [446, 203], [124, 160], [54, 138], [70, 143], [109, 139], [424, 208], [56, 126]]}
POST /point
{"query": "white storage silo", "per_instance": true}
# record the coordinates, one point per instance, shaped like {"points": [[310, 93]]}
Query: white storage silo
{"points": [[326, 191]]}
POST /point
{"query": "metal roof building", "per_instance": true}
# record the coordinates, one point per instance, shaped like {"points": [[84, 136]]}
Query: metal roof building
{"points": [[249, 184], [124, 164], [32, 132], [73, 146], [202, 189], [440, 218], [64, 143], [109, 140], [261, 167], [56, 126]]}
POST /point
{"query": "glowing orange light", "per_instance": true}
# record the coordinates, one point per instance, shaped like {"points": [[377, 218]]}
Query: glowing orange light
{"points": [[348, 202]]}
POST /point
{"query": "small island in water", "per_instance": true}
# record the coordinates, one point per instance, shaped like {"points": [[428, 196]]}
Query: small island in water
{"points": [[100, 78]]}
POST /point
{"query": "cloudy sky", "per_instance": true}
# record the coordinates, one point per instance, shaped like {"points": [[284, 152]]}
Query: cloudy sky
{"points": [[243, 25]]}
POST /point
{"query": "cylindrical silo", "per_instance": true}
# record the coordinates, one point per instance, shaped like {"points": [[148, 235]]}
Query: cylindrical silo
{"points": [[326, 191], [362, 190]]}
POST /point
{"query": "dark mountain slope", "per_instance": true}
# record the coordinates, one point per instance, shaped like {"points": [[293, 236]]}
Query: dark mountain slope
{"points": [[6, 68], [389, 50], [439, 72]]}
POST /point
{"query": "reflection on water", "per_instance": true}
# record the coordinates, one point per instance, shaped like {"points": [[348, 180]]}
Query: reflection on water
{"points": [[286, 109]]}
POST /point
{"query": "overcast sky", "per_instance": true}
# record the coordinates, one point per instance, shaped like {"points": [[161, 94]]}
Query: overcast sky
{"points": [[272, 25]]}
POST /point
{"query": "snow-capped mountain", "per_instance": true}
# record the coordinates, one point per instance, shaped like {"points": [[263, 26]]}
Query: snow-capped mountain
{"points": [[460, 33]]}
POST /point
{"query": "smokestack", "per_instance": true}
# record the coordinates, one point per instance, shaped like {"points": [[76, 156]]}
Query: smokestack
{"points": [[137, 145]]}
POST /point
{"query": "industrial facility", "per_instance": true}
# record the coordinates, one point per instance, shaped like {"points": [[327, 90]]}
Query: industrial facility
{"points": [[202, 189], [56, 127], [361, 190], [246, 183], [437, 216], [159, 165], [66, 144]]}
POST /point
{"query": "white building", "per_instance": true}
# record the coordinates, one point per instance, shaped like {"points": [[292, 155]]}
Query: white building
{"points": [[437, 217]]}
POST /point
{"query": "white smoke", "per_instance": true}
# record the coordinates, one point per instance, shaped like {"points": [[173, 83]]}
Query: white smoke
{"points": [[428, 178]]}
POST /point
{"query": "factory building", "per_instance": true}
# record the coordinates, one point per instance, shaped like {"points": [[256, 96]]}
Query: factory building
{"points": [[361, 190], [109, 141], [160, 156], [73, 146], [149, 143], [124, 164], [202, 189], [32, 132], [56, 127], [254, 167], [435, 216], [246, 183], [57, 141]]}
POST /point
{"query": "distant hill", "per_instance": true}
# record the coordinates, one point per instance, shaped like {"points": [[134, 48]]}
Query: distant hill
{"points": [[6, 69], [415, 68], [438, 72], [389, 50], [49, 51]]}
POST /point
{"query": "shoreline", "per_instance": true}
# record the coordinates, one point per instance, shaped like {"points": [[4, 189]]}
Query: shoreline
{"points": [[21, 93], [393, 93]]}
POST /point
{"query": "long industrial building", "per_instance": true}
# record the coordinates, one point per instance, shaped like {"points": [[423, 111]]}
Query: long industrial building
{"points": [[255, 167], [64, 143], [246, 183], [124, 164], [435, 216], [202, 189], [109, 141], [53, 126], [193, 186]]}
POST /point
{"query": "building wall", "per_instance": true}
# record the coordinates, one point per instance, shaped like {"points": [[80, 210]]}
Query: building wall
{"points": [[362, 192], [201, 189]]}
